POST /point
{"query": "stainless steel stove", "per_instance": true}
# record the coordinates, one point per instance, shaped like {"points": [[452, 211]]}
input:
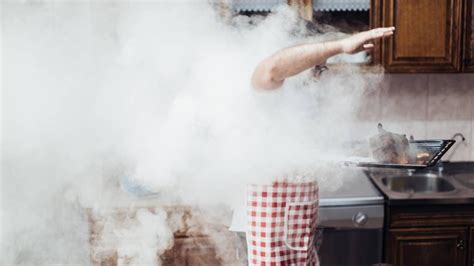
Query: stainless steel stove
{"points": [[351, 221]]}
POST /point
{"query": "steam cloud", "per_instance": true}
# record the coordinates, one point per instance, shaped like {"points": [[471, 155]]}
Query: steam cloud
{"points": [[158, 92]]}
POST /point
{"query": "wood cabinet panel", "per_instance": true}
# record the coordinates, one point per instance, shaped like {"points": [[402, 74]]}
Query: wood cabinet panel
{"points": [[419, 42], [468, 63], [427, 36], [432, 215], [471, 248], [427, 246], [194, 238], [192, 251]]}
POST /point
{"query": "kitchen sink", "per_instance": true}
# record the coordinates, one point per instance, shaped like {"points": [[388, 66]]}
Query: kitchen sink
{"points": [[427, 183], [454, 184], [465, 179]]}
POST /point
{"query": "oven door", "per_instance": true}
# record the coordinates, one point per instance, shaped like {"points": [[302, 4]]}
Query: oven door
{"points": [[350, 235]]}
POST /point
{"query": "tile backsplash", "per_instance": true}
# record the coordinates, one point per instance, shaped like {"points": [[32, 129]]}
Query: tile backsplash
{"points": [[425, 106]]}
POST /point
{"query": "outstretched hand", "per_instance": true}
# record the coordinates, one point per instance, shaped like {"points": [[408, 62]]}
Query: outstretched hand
{"points": [[363, 41]]}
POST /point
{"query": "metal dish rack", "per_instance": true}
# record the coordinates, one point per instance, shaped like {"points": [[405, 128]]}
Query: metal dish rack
{"points": [[437, 148]]}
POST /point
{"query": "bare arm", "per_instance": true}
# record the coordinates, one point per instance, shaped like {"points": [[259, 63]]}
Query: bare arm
{"points": [[271, 72]]}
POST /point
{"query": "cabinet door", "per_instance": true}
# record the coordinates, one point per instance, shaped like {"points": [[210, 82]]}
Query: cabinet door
{"points": [[468, 60], [198, 251], [427, 36], [427, 247], [471, 248]]}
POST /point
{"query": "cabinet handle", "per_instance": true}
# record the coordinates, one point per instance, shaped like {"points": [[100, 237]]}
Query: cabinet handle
{"points": [[460, 245]]}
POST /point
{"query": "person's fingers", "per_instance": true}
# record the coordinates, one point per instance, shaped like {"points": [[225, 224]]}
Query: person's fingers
{"points": [[368, 46], [388, 28], [369, 35], [382, 32], [388, 33], [385, 29], [363, 38]]}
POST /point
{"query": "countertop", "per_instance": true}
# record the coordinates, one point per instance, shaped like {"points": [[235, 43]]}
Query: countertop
{"points": [[355, 189], [459, 174]]}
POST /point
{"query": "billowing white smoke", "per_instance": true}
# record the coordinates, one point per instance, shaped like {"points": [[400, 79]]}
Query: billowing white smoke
{"points": [[157, 91], [137, 241]]}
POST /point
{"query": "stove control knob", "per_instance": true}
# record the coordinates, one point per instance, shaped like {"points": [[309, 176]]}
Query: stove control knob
{"points": [[360, 219]]}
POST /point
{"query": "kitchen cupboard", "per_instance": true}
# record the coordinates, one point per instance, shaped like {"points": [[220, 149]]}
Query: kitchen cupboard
{"points": [[427, 246], [427, 37], [432, 36], [468, 55], [431, 235], [471, 249], [194, 238], [199, 251]]}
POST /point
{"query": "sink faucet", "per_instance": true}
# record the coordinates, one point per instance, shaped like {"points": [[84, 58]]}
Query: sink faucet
{"points": [[453, 150], [459, 135]]}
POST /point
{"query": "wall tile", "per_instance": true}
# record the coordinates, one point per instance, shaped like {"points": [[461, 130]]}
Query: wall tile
{"points": [[405, 97], [415, 128], [449, 96], [471, 92], [369, 109], [445, 129], [363, 130], [370, 106], [472, 140], [427, 106]]}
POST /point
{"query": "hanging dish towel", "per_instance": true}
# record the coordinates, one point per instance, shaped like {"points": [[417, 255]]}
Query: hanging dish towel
{"points": [[282, 223]]}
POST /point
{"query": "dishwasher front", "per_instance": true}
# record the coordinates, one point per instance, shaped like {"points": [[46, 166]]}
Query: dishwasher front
{"points": [[350, 235]]}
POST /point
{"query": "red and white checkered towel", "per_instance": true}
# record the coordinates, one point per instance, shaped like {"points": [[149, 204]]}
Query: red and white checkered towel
{"points": [[281, 223]]}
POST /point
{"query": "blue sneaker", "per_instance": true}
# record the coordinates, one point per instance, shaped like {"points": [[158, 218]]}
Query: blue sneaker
{"points": [[136, 189]]}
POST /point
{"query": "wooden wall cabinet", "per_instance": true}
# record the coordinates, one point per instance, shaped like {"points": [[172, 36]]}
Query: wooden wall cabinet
{"points": [[427, 36], [468, 53], [431, 36]]}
